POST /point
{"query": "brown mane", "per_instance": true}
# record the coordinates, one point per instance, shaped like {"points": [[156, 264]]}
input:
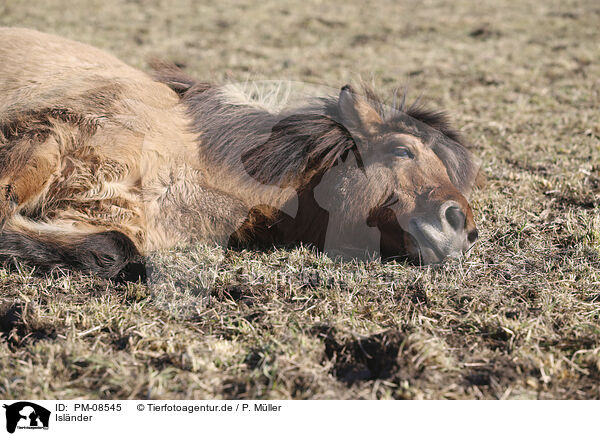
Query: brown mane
{"points": [[308, 141]]}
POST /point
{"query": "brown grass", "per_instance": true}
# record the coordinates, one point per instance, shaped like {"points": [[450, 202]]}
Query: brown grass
{"points": [[519, 318]]}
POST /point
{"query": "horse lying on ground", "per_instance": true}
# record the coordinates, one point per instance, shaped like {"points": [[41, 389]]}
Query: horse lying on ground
{"points": [[101, 163]]}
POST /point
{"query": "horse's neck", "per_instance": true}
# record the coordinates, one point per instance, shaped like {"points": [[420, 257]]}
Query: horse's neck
{"points": [[225, 170], [226, 132]]}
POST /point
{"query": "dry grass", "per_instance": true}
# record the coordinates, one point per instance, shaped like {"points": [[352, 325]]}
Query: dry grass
{"points": [[518, 319]]}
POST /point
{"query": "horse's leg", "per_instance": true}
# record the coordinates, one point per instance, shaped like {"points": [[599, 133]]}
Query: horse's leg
{"points": [[26, 171], [64, 244]]}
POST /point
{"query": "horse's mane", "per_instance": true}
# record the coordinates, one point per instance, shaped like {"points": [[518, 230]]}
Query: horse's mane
{"points": [[289, 148]]}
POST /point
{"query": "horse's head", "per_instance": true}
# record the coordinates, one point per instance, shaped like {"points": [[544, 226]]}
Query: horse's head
{"points": [[407, 175], [369, 178]]}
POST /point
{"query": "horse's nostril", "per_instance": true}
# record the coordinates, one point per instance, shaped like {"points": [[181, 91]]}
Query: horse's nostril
{"points": [[455, 217], [473, 235]]}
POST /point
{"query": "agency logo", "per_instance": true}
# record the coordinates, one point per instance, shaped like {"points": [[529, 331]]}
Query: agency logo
{"points": [[26, 415]]}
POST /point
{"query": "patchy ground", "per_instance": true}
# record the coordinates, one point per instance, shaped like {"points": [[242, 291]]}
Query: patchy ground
{"points": [[519, 318]]}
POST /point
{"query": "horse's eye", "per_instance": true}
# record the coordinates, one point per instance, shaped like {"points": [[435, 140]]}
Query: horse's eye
{"points": [[403, 152]]}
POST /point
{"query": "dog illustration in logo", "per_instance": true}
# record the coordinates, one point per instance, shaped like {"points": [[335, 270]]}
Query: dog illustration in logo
{"points": [[26, 413]]}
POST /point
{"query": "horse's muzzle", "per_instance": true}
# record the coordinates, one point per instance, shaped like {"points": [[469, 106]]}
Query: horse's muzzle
{"points": [[448, 233]]}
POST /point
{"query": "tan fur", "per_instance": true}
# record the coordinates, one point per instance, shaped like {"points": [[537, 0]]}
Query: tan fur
{"points": [[118, 153]]}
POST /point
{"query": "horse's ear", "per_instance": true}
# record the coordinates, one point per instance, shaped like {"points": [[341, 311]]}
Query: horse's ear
{"points": [[356, 112]]}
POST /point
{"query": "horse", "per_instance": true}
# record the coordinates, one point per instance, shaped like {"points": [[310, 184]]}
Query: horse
{"points": [[101, 164]]}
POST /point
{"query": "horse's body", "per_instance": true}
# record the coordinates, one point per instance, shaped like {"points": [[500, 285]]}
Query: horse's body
{"points": [[101, 163]]}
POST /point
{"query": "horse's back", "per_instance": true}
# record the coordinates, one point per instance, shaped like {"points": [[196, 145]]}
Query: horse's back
{"points": [[42, 71]]}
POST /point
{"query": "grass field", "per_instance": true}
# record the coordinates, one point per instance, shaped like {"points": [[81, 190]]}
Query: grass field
{"points": [[519, 318]]}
